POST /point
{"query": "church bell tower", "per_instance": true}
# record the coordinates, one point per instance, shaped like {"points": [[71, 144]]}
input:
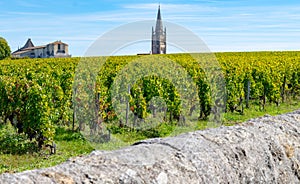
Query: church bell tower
{"points": [[159, 44]]}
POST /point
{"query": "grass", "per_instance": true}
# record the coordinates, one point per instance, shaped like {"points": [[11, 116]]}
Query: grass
{"points": [[71, 144], [16, 163], [254, 111]]}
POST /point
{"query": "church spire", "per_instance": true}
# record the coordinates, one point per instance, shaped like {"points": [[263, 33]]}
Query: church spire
{"points": [[159, 25], [159, 36], [158, 13]]}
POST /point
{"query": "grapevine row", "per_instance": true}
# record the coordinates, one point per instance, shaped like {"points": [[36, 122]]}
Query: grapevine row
{"points": [[39, 94]]}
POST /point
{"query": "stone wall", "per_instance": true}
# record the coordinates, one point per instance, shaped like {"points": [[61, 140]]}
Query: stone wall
{"points": [[263, 150]]}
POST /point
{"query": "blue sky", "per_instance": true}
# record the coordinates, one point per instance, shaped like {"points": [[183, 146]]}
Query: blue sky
{"points": [[233, 25]]}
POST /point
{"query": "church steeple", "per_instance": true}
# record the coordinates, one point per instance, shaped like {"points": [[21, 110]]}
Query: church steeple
{"points": [[158, 13], [159, 36], [159, 25]]}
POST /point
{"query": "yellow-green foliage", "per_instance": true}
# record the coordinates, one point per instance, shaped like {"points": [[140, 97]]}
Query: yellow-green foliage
{"points": [[37, 93]]}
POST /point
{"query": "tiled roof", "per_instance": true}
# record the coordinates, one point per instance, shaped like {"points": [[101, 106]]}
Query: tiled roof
{"points": [[37, 47], [28, 44], [20, 52], [58, 42]]}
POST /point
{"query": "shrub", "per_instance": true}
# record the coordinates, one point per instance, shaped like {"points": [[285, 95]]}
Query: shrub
{"points": [[4, 49], [13, 143]]}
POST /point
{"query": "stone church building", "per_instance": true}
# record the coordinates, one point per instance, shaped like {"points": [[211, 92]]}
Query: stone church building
{"points": [[159, 36], [56, 49]]}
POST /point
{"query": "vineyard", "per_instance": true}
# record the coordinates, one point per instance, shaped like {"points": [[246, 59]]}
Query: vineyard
{"points": [[39, 95]]}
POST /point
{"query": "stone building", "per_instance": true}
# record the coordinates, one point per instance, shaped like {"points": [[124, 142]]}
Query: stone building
{"points": [[56, 49], [159, 36]]}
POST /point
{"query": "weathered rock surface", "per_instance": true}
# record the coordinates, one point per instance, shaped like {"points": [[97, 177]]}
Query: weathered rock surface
{"points": [[263, 150]]}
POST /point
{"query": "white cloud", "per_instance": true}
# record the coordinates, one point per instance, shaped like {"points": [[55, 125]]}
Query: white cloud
{"points": [[26, 13], [224, 27], [107, 16], [179, 8], [28, 4]]}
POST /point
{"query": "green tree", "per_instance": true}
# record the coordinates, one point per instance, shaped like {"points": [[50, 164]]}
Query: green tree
{"points": [[4, 49]]}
